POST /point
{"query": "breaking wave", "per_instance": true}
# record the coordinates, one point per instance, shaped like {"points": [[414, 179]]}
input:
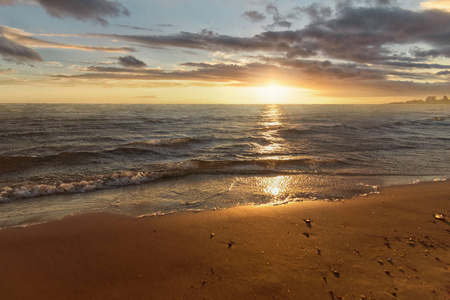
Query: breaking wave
{"points": [[158, 171]]}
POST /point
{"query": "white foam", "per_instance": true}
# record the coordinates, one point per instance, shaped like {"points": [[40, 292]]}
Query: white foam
{"points": [[102, 182], [439, 179]]}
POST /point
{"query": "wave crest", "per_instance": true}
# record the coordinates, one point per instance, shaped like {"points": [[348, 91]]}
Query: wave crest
{"points": [[126, 178], [172, 142]]}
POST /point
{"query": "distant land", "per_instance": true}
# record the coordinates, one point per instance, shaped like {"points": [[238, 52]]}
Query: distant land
{"points": [[429, 100]]}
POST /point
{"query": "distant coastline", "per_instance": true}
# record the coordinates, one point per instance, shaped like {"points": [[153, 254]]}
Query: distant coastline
{"points": [[428, 100]]}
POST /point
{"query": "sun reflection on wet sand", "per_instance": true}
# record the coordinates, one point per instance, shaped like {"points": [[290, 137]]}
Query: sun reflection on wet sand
{"points": [[281, 189], [270, 124], [275, 186]]}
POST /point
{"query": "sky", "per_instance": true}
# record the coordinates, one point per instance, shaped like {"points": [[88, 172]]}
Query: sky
{"points": [[223, 51]]}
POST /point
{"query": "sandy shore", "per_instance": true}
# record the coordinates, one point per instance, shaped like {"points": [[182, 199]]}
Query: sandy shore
{"points": [[387, 246]]}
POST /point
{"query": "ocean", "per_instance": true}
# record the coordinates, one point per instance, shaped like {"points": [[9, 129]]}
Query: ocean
{"points": [[61, 159]]}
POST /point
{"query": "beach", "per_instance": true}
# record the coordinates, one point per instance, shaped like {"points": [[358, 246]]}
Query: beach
{"points": [[224, 150], [386, 246]]}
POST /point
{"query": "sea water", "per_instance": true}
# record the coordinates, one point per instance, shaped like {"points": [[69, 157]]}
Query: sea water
{"points": [[58, 159]]}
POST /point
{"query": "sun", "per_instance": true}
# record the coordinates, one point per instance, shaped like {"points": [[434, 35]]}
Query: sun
{"points": [[272, 93]]}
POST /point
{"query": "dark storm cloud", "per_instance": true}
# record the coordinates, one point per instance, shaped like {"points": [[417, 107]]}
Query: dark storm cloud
{"points": [[254, 16], [443, 73], [11, 49], [84, 10], [131, 62]]}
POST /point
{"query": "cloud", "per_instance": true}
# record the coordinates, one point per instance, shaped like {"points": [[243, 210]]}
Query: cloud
{"points": [[336, 79], [363, 34], [356, 34], [416, 65], [137, 28], [254, 16], [279, 20], [17, 62], [436, 4], [315, 11], [15, 51], [205, 40], [131, 62], [363, 39], [443, 73], [25, 39], [165, 25], [147, 28], [84, 10], [247, 74], [445, 52], [2, 71], [345, 50]]}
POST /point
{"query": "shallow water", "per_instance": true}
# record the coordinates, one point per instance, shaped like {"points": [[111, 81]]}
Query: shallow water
{"points": [[143, 159]]}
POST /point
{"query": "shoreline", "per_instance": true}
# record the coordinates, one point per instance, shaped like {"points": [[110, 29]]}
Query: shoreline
{"points": [[69, 204], [378, 246]]}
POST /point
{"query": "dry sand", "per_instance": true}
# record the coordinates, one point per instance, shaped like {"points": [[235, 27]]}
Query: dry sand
{"points": [[387, 246]]}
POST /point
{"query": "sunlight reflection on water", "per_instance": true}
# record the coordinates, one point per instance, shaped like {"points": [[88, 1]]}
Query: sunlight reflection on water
{"points": [[277, 187], [271, 123]]}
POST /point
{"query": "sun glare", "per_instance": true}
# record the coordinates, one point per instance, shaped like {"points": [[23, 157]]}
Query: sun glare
{"points": [[273, 93], [436, 4]]}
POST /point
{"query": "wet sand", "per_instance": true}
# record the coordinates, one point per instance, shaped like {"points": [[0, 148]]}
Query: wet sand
{"points": [[387, 246]]}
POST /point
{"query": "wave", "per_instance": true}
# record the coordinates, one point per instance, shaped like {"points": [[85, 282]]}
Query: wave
{"points": [[17, 163], [271, 127], [26, 134], [90, 183], [171, 142], [266, 163], [439, 119], [432, 120], [296, 131], [129, 151], [158, 171], [315, 129]]}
